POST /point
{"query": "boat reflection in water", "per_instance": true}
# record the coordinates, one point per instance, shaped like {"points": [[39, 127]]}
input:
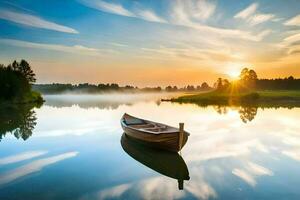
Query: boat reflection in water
{"points": [[170, 164]]}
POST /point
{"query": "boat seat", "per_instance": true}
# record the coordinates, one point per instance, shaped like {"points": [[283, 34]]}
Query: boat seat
{"points": [[156, 128], [143, 126]]}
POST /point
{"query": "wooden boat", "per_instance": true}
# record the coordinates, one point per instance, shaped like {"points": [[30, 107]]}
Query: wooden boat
{"points": [[154, 134], [168, 163]]}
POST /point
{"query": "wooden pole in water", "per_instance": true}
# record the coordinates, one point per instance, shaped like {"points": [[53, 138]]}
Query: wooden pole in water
{"points": [[180, 184], [180, 138]]}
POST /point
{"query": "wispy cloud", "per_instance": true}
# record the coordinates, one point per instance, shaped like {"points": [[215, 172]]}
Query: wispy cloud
{"points": [[79, 49], [192, 53], [34, 21], [292, 38], [295, 21], [195, 9], [294, 154], [290, 44], [260, 18], [183, 14], [108, 7], [191, 11], [247, 12], [149, 15], [118, 9], [252, 17], [188, 13]]}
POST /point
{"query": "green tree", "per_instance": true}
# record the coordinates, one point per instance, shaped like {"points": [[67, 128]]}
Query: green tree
{"points": [[204, 86], [219, 84], [248, 78], [25, 69], [13, 84], [225, 83]]}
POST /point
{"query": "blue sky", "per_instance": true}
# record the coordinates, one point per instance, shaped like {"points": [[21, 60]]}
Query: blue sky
{"points": [[140, 42]]}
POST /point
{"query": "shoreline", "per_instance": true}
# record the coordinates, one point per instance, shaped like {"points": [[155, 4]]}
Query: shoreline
{"points": [[270, 98]]}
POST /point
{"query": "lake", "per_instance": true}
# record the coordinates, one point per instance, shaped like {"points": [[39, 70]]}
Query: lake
{"points": [[71, 148]]}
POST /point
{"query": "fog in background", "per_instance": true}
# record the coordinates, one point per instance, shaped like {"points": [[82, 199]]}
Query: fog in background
{"points": [[106, 100]]}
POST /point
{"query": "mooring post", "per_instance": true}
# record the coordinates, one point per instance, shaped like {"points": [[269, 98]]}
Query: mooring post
{"points": [[180, 138]]}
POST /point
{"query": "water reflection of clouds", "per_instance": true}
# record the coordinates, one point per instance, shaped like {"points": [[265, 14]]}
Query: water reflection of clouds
{"points": [[198, 186], [244, 151], [33, 167], [150, 188], [264, 138], [156, 188], [250, 172], [114, 192], [74, 121], [293, 153], [21, 157]]}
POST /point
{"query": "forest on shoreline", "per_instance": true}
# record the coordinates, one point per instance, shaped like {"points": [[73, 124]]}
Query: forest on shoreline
{"points": [[288, 83], [16, 81], [248, 90]]}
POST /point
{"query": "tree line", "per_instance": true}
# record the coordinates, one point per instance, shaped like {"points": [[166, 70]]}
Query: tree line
{"points": [[56, 88], [248, 80]]}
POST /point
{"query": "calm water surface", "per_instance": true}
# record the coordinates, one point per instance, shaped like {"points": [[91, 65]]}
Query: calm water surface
{"points": [[72, 150]]}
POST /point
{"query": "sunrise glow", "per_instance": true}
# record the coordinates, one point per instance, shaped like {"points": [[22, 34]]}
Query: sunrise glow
{"points": [[153, 43]]}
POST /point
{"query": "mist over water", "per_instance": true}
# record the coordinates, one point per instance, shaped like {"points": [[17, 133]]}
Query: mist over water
{"points": [[108, 100]]}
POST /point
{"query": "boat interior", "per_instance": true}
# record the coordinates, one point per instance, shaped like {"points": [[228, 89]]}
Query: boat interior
{"points": [[150, 127], [144, 125]]}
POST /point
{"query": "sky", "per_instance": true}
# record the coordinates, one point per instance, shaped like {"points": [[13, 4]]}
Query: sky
{"points": [[151, 42]]}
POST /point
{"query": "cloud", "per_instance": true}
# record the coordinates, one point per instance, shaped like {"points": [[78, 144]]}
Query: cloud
{"points": [[295, 21], [263, 34], [118, 9], [249, 14], [294, 154], [199, 9], [191, 52], [34, 21], [260, 18], [189, 11], [292, 38], [21, 157], [290, 44], [150, 16], [32, 167], [108, 7], [53, 47], [183, 14]]}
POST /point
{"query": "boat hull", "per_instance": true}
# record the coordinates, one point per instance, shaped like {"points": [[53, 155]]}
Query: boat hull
{"points": [[166, 141]]}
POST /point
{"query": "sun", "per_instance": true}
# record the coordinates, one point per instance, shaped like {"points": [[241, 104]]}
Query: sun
{"points": [[234, 74]]}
